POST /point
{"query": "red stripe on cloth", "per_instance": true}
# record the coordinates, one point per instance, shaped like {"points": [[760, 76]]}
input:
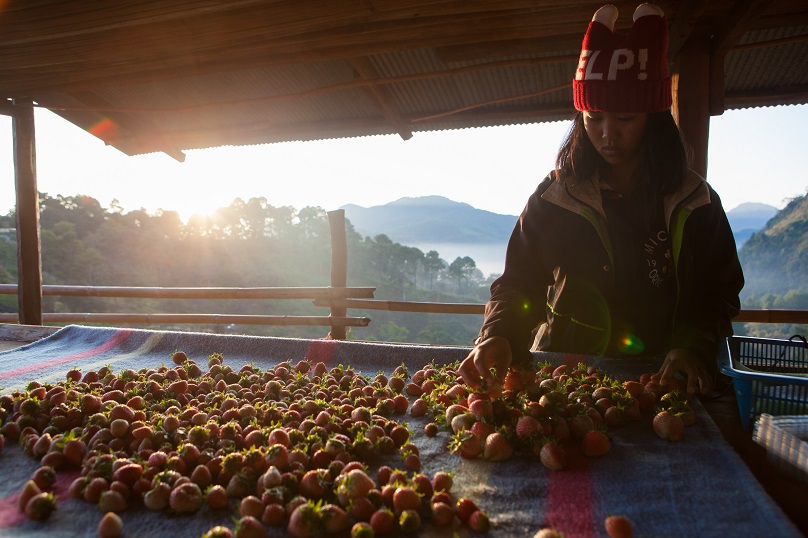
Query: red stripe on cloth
{"points": [[321, 351], [113, 341], [10, 513], [569, 499]]}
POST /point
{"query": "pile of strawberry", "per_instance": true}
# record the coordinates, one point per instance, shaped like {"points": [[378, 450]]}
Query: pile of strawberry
{"points": [[545, 411], [314, 450]]}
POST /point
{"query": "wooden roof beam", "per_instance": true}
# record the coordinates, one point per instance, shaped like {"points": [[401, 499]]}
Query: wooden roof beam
{"points": [[121, 119], [380, 95], [686, 19]]}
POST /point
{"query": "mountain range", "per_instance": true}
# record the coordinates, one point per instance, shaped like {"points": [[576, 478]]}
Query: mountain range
{"points": [[436, 219]]}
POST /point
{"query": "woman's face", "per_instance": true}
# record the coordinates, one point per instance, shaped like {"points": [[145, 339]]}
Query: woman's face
{"points": [[617, 136]]}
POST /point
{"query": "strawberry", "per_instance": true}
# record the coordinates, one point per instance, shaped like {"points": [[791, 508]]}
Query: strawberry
{"points": [[634, 388], [596, 443], [251, 506], [334, 519], [442, 481], [28, 492], [355, 483], [464, 508], [580, 425], [362, 529], [527, 427], [382, 521], [442, 513], [112, 501], [304, 521], [110, 526], [409, 521], [406, 498], [466, 444], [218, 531], [44, 477], [669, 426], [185, 498], [249, 527], [619, 527], [497, 447], [482, 409], [479, 522], [553, 456], [40, 506], [431, 430], [481, 429]]}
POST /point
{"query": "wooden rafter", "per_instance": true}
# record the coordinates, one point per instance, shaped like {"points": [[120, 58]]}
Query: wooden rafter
{"points": [[380, 96]]}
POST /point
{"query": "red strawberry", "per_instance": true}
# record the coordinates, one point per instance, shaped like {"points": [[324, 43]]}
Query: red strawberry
{"points": [[355, 483], [580, 425], [596, 443], [465, 507], [110, 526], [186, 498], [304, 521], [482, 410], [466, 444], [28, 492], [334, 519], [619, 527], [249, 527], [478, 522], [482, 429], [409, 521], [442, 513], [419, 408], [669, 426], [442, 481], [406, 498], [431, 430], [553, 456], [527, 427], [497, 448], [40, 506], [383, 522], [362, 529], [634, 388]]}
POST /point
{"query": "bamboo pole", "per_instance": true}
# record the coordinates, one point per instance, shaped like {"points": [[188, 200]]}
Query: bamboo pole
{"points": [[199, 293], [29, 259], [213, 319], [339, 265]]}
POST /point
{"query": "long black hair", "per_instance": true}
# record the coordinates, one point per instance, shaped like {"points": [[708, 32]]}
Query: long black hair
{"points": [[665, 156]]}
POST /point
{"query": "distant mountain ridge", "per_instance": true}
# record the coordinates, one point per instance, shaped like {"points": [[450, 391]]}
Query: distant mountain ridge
{"points": [[431, 219], [437, 219], [748, 218]]}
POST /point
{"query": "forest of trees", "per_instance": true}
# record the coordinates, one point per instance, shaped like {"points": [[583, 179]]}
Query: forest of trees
{"points": [[255, 244], [246, 244]]}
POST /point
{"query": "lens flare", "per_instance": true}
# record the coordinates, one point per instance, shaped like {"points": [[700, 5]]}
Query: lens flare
{"points": [[631, 345], [105, 129]]}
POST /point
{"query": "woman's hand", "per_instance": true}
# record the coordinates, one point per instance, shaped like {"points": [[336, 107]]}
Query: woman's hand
{"points": [[492, 353], [682, 360]]}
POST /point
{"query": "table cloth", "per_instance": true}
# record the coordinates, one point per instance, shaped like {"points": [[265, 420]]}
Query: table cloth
{"points": [[696, 487]]}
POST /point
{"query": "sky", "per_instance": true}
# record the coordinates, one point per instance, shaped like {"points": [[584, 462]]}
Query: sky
{"points": [[756, 155]]}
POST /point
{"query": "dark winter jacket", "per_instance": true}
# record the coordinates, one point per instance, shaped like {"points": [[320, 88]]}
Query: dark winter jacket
{"points": [[559, 282]]}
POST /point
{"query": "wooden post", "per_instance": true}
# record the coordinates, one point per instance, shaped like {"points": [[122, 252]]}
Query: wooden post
{"points": [[339, 265], [691, 97], [29, 259]]}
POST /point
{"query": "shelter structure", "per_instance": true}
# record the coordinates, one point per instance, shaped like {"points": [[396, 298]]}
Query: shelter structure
{"points": [[175, 75]]}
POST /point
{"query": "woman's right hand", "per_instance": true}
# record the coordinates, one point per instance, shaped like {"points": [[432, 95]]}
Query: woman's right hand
{"points": [[492, 353]]}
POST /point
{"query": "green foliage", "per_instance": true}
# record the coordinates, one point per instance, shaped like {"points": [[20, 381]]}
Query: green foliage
{"points": [[775, 263], [246, 244]]}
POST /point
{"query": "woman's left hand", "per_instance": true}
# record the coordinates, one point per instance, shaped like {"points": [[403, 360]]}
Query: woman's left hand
{"points": [[682, 360]]}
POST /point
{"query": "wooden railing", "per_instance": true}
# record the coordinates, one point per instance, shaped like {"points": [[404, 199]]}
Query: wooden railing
{"points": [[337, 297]]}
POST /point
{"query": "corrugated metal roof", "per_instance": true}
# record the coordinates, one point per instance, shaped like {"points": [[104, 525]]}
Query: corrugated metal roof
{"points": [[184, 74]]}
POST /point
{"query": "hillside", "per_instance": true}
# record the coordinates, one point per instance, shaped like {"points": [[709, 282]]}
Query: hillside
{"points": [[430, 219], [775, 259]]}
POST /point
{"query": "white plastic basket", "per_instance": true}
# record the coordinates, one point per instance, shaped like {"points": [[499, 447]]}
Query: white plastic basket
{"points": [[785, 439]]}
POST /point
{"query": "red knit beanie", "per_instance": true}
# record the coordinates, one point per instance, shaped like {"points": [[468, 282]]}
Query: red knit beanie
{"points": [[624, 73]]}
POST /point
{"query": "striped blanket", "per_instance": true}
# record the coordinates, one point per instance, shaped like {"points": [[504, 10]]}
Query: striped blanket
{"points": [[698, 487]]}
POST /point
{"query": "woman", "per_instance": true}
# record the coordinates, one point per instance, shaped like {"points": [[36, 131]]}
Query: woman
{"points": [[622, 250]]}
